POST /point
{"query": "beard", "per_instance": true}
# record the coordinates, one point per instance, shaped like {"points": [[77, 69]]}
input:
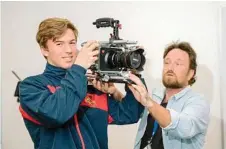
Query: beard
{"points": [[171, 82]]}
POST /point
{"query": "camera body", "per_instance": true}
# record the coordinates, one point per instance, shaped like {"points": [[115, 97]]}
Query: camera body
{"points": [[117, 57]]}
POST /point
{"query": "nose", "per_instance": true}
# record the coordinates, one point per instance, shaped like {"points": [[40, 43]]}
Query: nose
{"points": [[171, 66], [68, 48]]}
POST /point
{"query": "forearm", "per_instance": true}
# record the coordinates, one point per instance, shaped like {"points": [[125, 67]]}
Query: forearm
{"points": [[160, 114], [45, 102], [118, 95]]}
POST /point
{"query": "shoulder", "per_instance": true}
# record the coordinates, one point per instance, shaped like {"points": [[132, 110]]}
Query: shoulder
{"points": [[35, 81], [195, 98]]}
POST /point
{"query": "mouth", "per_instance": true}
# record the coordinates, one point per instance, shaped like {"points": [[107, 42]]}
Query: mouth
{"points": [[68, 58], [169, 74]]}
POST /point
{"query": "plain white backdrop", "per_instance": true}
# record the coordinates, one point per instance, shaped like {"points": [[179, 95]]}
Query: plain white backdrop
{"points": [[152, 24], [0, 81], [223, 71]]}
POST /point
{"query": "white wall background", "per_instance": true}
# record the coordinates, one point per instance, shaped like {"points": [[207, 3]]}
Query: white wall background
{"points": [[153, 24], [0, 83], [223, 70]]}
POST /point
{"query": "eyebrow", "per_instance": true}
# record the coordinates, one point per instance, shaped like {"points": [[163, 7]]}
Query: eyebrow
{"points": [[63, 41], [58, 41], [166, 59], [170, 59], [72, 40]]}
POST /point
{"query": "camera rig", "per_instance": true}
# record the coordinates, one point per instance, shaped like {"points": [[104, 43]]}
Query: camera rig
{"points": [[117, 57]]}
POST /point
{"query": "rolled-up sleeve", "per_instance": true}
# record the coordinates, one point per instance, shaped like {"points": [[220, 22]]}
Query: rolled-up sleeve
{"points": [[192, 120]]}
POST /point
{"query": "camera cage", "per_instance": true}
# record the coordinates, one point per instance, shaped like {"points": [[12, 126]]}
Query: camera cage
{"points": [[115, 42]]}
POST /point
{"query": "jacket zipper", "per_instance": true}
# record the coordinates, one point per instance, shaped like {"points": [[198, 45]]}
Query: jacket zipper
{"points": [[78, 130]]}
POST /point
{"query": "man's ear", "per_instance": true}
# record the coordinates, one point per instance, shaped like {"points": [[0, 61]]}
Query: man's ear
{"points": [[45, 51], [191, 74]]}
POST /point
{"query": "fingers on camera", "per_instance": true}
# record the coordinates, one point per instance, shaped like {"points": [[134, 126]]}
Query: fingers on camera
{"points": [[94, 47], [88, 44], [95, 53]]}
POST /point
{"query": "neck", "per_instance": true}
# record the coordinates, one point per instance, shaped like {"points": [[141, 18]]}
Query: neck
{"points": [[170, 92]]}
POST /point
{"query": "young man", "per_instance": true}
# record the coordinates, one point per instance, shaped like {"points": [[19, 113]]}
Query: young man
{"points": [[59, 110], [176, 118]]}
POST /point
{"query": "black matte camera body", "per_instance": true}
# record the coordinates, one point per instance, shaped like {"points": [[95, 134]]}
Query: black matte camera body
{"points": [[117, 57]]}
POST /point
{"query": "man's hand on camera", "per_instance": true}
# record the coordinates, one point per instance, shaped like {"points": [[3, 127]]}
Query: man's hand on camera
{"points": [[140, 92], [104, 86], [108, 88], [101, 86], [90, 75], [88, 54]]}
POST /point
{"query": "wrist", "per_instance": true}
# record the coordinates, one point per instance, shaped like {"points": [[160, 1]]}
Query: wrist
{"points": [[114, 92], [117, 95], [149, 102]]}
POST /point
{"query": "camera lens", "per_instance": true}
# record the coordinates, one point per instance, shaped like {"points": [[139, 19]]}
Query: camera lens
{"points": [[111, 59], [115, 59], [119, 59], [132, 59]]}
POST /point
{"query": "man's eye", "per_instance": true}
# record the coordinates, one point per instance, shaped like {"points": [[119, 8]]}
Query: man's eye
{"points": [[166, 62], [59, 44], [179, 64]]}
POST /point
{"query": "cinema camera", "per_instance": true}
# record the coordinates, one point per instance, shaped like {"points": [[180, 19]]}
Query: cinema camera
{"points": [[117, 57]]}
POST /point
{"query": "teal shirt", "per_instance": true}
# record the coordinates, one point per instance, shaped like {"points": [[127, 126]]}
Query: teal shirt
{"points": [[189, 113]]}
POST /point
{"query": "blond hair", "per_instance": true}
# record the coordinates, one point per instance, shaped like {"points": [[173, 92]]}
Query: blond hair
{"points": [[53, 28]]}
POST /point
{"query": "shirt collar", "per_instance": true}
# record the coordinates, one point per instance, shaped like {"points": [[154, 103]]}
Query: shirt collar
{"points": [[182, 92], [161, 93]]}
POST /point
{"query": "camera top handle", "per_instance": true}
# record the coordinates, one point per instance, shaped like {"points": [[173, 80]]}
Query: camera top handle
{"points": [[109, 22]]}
